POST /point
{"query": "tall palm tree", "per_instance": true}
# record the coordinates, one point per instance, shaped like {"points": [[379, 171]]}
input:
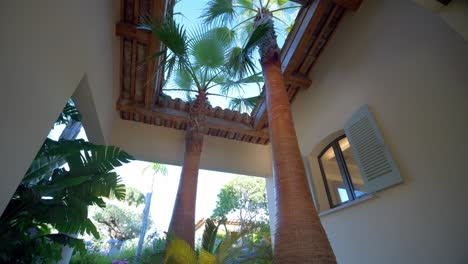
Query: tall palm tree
{"points": [[299, 236], [196, 64], [155, 169]]}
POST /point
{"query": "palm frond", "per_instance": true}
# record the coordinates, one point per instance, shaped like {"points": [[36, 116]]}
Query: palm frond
{"points": [[227, 252], [68, 114], [257, 36], [171, 34], [240, 62], [183, 79], [243, 104], [179, 252], [156, 168], [218, 11], [230, 86], [208, 49], [279, 2], [209, 235], [206, 257]]}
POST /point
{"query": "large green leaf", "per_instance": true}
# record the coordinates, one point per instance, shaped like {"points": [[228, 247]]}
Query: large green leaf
{"points": [[68, 114], [209, 235]]}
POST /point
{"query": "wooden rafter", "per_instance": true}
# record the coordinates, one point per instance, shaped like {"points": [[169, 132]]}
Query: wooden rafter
{"points": [[305, 39], [154, 77], [140, 95], [174, 115], [130, 31], [349, 4]]}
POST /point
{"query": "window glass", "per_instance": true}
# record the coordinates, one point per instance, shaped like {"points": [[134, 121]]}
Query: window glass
{"points": [[333, 177], [353, 168]]}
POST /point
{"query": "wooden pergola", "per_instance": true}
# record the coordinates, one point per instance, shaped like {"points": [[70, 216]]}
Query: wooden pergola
{"points": [[140, 95]]}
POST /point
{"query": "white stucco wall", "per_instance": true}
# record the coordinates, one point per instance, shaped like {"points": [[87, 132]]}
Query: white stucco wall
{"points": [[47, 48], [411, 68], [165, 145]]}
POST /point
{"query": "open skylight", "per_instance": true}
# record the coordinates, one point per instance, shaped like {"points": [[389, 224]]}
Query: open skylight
{"points": [[188, 13]]}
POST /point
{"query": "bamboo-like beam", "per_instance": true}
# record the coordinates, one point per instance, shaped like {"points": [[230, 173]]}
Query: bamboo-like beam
{"points": [[154, 76], [309, 21], [169, 114], [132, 32], [295, 48], [302, 2], [298, 80], [321, 39], [349, 4]]}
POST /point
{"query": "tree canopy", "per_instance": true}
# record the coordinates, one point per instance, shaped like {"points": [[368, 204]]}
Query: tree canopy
{"points": [[244, 199], [134, 197]]}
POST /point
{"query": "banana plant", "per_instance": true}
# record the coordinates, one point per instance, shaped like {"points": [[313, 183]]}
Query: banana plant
{"points": [[53, 198]]}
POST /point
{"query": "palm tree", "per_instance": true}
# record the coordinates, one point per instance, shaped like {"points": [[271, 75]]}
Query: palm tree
{"points": [[299, 236], [196, 64], [155, 169]]}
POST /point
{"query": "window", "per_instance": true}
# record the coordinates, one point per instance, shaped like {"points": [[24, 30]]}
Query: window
{"points": [[354, 162], [341, 175]]}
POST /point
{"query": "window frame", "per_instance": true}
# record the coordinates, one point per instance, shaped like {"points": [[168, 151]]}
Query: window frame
{"points": [[347, 181]]}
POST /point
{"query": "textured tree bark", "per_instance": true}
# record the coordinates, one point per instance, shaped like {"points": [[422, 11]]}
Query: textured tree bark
{"points": [[183, 215], [299, 236]]}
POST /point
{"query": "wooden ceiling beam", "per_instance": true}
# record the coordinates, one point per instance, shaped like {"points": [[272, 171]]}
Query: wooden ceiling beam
{"points": [[302, 2], [308, 21], [182, 116], [349, 4], [154, 77], [132, 32], [322, 37], [294, 51], [298, 80]]}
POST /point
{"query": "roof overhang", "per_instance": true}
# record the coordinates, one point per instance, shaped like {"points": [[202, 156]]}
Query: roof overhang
{"points": [[140, 94]]}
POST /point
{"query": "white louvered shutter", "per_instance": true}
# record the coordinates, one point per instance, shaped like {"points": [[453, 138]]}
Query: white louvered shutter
{"points": [[377, 167]]}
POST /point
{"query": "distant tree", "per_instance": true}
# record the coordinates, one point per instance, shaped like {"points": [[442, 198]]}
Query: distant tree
{"points": [[134, 197], [118, 220], [243, 198]]}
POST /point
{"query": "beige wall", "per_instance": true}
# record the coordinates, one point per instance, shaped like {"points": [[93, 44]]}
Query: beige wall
{"points": [[454, 14], [47, 48], [411, 68], [165, 145]]}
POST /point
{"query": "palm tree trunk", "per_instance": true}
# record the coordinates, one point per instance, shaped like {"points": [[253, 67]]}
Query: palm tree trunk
{"points": [[299, 236], [183, 215], [144, 224]]}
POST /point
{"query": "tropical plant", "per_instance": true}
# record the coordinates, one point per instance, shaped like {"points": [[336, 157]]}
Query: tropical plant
{"points": [[227, 251], [299, 230], [196, 63], [52, 200]]}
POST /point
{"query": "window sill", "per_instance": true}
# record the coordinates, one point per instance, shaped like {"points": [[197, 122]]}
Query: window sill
{"points": [[346, 205]]}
